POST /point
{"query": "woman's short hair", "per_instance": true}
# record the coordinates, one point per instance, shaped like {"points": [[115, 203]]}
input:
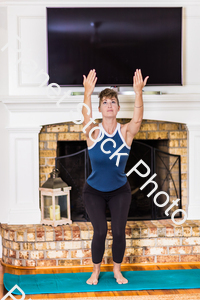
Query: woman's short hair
{"points": [[109, 93]]}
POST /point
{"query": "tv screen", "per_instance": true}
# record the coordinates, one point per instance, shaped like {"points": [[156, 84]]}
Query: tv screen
{"points": [[115, 41]]}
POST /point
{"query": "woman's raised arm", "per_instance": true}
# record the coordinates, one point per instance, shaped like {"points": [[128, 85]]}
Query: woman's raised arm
{"points": [[138, 84], [89, 85]]}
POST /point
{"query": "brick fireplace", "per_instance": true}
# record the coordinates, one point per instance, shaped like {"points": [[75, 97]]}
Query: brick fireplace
{"points": [[174, 133], [32, 150], [152, 241]]}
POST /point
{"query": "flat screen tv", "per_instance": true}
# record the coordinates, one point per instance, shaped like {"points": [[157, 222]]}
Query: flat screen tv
{"points": [[115, 41]]}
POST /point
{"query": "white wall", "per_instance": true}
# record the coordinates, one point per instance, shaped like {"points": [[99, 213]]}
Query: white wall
{"points": [[4, 162], [4, 119], [4, 169], [4, 54]]}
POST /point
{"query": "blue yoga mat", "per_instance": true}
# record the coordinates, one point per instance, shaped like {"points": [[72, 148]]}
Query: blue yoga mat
{"points": [[76, 282]]}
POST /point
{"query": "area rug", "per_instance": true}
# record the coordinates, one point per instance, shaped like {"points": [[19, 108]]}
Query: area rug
{"points": [[76, 282]]}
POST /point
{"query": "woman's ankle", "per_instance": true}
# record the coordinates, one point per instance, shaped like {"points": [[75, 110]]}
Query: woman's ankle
{"points": [[96, 267], [116, 266]]}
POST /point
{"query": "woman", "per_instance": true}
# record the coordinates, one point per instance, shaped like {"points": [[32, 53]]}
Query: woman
{"points": [[108, 184]]}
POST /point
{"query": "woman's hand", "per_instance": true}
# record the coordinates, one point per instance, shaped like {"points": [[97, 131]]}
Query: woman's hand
{"points": [[89, 82], [138, 83]]}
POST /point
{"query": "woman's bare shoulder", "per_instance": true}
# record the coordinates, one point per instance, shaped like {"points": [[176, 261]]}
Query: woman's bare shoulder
{"points": [[123, 127], [127, 137], [94, 135]]}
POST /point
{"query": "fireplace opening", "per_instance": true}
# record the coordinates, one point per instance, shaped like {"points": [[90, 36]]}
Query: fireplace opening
{"points": [[74, 165]]}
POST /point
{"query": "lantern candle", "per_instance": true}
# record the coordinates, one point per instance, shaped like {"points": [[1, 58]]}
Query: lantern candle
{"points": [[57, 212]]}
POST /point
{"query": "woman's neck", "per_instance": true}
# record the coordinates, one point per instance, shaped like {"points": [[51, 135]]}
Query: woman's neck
{"points": [[109, 125]]}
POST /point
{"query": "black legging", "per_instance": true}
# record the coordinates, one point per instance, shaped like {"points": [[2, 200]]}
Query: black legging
{"points": [[118, 202]]}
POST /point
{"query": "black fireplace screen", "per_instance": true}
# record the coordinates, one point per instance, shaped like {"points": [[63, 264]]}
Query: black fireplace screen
{"points": [[74, 165]]}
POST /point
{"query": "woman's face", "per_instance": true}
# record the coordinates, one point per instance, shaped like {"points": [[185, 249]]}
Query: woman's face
{"points": [[109, 107]]}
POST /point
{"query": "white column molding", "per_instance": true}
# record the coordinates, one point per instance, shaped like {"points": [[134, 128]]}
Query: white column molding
{"points": [[24, 176], [193, 171]]}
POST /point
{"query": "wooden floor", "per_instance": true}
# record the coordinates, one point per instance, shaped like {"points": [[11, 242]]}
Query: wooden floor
{"points": [[107, 268]]}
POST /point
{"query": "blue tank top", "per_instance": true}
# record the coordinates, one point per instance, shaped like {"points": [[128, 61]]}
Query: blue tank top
{"points": [[108, 162]]}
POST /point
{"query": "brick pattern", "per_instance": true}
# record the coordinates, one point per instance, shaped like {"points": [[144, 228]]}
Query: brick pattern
{"points": [[146, 242], [176, 133]]}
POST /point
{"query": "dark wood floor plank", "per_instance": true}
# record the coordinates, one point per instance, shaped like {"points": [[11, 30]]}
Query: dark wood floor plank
{"points": [[189, 291], [142, 293], [188, 267], [198, 266]]}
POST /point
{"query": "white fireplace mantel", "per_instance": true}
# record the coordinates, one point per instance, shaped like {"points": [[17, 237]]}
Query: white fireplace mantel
{"points": [[183, 108]]}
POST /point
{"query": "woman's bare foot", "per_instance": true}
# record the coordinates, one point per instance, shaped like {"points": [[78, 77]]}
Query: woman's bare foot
{"points": [[95, 274], [120, 279]]}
